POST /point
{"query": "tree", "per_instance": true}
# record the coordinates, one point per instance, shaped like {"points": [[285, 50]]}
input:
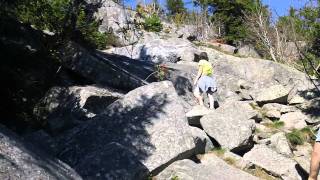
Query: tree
{"points": [[175, 7], [229, 15], [67, 19]]}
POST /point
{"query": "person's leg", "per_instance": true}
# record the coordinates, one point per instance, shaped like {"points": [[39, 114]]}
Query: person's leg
{"points": [[315, 159], [211, 101], [211, 98], [197, 94]]}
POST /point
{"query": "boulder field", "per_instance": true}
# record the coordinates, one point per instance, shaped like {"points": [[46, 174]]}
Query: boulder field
{"points": [[135, 117]]}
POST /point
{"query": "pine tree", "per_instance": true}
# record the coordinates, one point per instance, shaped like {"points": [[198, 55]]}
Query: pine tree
{"points": [[231, 15], [175, 7]]}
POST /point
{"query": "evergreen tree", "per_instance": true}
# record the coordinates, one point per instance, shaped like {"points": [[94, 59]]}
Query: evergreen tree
{"points": [[231, 15], [67, 19], [175, 7]]}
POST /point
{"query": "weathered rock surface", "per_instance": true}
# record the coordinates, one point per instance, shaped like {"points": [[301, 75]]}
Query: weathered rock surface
{"points": [[116, 162], [147, 121], [104, 69], [273, 114], [294, 120], [248, 51], [190, 32], [43, 141], [196, 113], [280, 144], [278, 107], [22, 161], [211, 167], [202, 141], [160, 50], [63, 108], [229, 69], [224, 47], [230, 125], [272, 162], [312, 109], [117, 19], [272, 94]]}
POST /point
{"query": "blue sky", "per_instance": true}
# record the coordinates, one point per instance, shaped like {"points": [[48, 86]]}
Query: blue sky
{"points": [[279, 6]]}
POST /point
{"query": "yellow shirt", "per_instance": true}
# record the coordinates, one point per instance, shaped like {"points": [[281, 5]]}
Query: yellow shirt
{"points": [[206, 66]]}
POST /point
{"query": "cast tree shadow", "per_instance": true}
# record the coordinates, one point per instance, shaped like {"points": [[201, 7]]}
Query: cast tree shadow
{"points": [[313, 98], [24, 160], [125, 124]]}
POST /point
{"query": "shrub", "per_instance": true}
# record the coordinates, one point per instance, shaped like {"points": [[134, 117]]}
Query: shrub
{"points": [[298, 137], [295, 138], [179, 18], [218, 151], [230, 160], [67, 20], [153, 23], [275, 125], [175, 177]]}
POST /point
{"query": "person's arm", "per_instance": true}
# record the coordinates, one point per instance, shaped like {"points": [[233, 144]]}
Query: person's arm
{"points": [[198, 76], [315, 162]]}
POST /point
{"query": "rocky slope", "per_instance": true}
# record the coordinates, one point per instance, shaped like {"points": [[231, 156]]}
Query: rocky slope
{"points": [[135, 117]]}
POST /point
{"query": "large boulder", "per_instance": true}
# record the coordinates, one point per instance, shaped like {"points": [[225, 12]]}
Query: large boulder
{"points": [[274, 163], [294, 120], [148, 121], [190, 32], [160, 50], [196, 113], [280, 143], [231, 125], [312, 109], [248, 51], [116, 19], [115, 162], [105, 69], [211, 167], [19, 160], [202, 141], [229, 69], [224, 47], [64, 107], [282, 109], [272, 94]]}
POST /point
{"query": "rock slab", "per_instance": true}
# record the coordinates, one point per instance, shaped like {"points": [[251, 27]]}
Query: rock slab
{"points": [[211, 167], [272, 162], [231, 126], [23, 161], [147, 121]]}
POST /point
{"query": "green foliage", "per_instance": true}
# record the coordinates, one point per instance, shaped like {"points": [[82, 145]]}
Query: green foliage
{"points": [[175, 7], [179, 18], [161, 72], [175, 177], [153, 23], [65, 18], [298, 137], [218, 151], [44, 14], [275, 125], [231, 14], [295, 138]]}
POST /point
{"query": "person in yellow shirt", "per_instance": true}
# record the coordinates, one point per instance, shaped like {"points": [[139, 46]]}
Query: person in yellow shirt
{"points": [[204, 81]]}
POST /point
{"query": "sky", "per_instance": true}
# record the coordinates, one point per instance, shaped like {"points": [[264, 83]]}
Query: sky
{"points": [[279, 7]]}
